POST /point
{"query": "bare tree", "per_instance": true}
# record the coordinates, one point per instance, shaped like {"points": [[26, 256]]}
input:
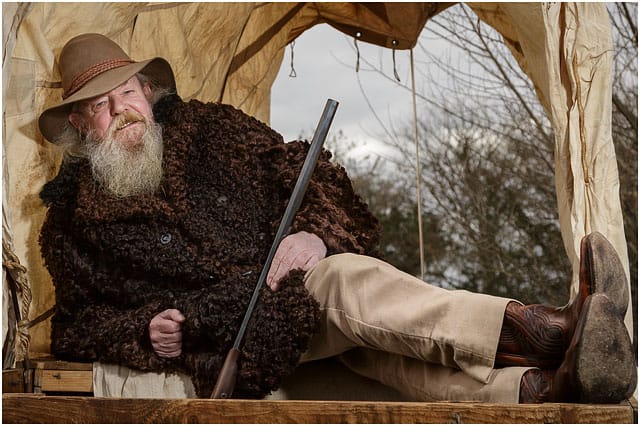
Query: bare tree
{"points": [[624, 20], [487, 152], [487, 162]]}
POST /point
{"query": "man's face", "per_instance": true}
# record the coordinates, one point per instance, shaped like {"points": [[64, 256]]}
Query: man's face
{"points": [[125, 108], [121, 140]]}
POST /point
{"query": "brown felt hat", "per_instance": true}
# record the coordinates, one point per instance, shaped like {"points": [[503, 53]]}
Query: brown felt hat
{"points": [[90, 65]]}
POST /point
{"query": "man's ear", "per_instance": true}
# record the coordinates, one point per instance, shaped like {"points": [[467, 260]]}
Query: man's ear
{"points": [[75, 118], [146, 89]]}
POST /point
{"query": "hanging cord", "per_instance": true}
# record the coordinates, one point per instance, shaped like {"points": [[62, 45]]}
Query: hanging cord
{"points": [[395, 69], [355, 43], [418, 173], [17, 278], [292, 74]]}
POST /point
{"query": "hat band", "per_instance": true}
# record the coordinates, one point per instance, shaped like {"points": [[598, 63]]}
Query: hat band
{"points": [[92, 72]]}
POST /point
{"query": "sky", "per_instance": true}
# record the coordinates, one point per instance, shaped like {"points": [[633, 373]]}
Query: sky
{"points": [[324, 61]]}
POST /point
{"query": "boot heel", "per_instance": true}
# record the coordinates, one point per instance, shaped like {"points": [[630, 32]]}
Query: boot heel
{"points": [[602, 269]]}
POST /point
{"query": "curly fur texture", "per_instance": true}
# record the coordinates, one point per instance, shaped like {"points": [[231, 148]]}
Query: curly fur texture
{"points": [[197, 245]]}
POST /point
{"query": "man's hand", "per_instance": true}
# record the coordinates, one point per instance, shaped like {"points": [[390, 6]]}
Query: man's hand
{"points": [[296, 251], [165, 332]]}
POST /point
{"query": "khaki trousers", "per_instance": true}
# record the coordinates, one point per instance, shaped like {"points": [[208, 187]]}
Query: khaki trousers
{"points": [[427, 342]]}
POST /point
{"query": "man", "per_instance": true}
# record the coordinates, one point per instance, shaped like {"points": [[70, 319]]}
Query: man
{"points": [[156, 232]]}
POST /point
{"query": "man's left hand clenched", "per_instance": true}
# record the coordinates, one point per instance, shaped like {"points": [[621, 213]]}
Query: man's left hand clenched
{"points": [[296, 251]]}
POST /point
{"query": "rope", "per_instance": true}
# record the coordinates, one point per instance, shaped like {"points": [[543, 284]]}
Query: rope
{"points": [[17, 274], [418, 173]]}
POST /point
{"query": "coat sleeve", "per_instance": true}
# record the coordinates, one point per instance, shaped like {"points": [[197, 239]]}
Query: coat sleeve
{"points": [[330, 207]]}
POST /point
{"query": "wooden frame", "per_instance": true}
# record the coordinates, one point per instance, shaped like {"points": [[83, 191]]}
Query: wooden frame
{"points": [[34, 408], [34, 395]]}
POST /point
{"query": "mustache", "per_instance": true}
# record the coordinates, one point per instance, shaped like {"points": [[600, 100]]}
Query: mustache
{"points": [[122, 120], [119, 122]]}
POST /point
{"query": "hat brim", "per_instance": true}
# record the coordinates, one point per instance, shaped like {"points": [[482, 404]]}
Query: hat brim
{"points": [[53, 120]]}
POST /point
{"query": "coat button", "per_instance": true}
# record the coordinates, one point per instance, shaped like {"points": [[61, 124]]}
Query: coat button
{"points": [[165, 238]]}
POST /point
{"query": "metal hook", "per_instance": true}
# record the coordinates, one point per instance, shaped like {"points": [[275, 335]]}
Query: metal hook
{"points": [[395, 70], [355, 42], [292, 74]]}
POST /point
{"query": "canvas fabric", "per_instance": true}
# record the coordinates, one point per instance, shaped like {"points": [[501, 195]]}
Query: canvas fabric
{"points": [[231, 52]]}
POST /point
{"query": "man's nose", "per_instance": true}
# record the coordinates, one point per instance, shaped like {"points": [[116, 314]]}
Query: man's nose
{"points": [[118, 106]]}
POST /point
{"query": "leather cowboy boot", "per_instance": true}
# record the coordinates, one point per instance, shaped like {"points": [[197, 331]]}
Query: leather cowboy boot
{"points": [[535, 386], [539, 335], [599, 366], [536, 335]]}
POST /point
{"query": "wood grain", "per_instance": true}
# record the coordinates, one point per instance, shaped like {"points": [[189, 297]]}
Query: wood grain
{"points": [[63, 381], [30, 408], [53, 364], [13, 380]]}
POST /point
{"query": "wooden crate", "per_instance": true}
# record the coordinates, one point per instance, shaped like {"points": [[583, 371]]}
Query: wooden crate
{"points": [[62, 376], [49, 375]]}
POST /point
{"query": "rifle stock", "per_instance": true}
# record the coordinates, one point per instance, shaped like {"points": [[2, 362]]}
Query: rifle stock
{"points": [[227, 376]]}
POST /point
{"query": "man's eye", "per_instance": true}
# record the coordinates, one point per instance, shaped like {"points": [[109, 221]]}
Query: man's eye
{"points": [[99, 105]]}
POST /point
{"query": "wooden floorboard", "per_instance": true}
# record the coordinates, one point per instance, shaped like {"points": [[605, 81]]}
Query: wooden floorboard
{"points": [[32, 408]]}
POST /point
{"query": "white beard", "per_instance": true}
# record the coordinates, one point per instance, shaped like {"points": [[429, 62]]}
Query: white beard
{"points": [[127, 171]]}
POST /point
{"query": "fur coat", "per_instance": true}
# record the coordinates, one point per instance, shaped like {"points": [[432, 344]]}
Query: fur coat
{"points": [[196, 245]]}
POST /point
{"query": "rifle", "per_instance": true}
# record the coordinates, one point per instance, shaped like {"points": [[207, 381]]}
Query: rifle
{"points": [[227, 376]]}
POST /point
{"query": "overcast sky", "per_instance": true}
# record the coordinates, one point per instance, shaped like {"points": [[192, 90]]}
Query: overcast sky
{"points": [[324, 61]]}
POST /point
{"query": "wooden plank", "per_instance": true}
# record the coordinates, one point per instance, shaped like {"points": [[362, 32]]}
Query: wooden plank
{"points": [[65, 381], [53, 364], [30, 408], [13, 380], [17, 380]]}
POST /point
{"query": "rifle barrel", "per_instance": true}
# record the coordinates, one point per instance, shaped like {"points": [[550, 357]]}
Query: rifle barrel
{"points": [[226, 378]]}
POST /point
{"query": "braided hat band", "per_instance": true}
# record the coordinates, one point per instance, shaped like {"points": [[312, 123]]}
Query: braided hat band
{"points": [[92, 72]]}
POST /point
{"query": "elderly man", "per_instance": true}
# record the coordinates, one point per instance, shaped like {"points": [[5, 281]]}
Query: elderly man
{"points": [[159, 222]]}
